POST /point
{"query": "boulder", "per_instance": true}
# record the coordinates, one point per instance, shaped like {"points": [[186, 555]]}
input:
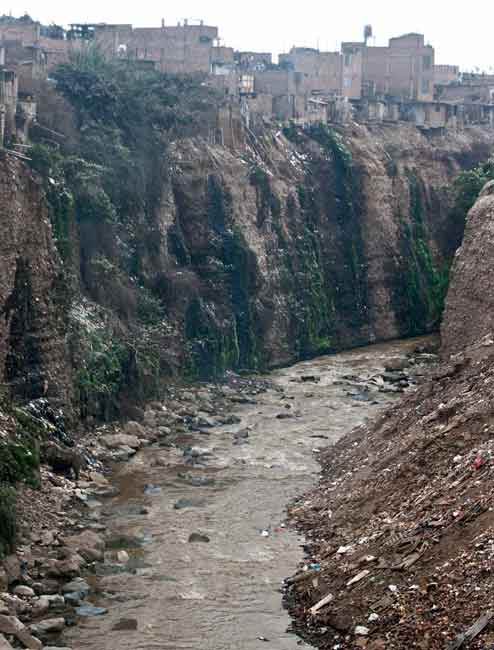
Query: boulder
{"points": [[117, 440], [397, 364], [4, 644], [12, 625], [135, 429], [76, 585], [68, 568], [48, 626], [88, 544], [12, 568], [24, 590]]}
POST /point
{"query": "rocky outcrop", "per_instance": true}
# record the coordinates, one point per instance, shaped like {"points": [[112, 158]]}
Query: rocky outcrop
{"points": [[33, 352], [471, 295]]}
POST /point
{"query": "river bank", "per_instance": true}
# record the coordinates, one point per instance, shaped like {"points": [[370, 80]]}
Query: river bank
{"points": [[193, 525], [401, 524]]}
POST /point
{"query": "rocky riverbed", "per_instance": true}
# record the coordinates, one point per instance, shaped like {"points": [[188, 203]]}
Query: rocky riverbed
{"points": [[185, 545]]}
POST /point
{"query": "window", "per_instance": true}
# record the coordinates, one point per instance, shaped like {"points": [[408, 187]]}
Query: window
{"points": [[426, 84], [427, 62], [348, 59]]}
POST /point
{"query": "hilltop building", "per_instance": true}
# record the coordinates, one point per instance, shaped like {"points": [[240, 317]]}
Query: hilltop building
{"points": [[400, 81]]}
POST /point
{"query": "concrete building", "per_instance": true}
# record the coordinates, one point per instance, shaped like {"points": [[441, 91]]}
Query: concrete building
{"points": [[8, 103], [181, 49], [403, 70], [446, 74]]}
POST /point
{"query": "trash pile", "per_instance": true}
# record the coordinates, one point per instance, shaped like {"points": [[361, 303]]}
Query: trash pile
{"points": [[401, 528]]}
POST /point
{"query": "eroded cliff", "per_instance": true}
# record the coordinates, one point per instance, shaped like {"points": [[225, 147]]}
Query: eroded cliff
{"points": [[470, 303], [297, 243], [34, 361]]}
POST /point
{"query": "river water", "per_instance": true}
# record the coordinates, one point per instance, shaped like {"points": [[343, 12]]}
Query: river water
{"points": [[225, 594]]}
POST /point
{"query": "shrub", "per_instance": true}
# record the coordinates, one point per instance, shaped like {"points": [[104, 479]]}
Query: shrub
{"points": [[8, 513]]}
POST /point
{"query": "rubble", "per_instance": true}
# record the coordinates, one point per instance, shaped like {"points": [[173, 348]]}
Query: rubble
{"points": [[413, 491]]}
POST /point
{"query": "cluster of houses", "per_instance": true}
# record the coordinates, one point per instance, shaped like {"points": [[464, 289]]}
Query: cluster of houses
{"points": [[399, 82]]}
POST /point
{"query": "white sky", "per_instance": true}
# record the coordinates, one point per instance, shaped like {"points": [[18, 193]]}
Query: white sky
{"points": [[461, 34]]}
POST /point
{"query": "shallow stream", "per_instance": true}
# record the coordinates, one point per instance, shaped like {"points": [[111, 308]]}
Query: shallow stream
{"points": [[225, 594]]}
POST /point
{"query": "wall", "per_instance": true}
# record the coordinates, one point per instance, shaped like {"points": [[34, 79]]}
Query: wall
{"points": [[26, 33], [446, 74]]}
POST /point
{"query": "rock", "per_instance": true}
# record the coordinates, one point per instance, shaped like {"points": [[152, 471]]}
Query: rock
{"points": [[90, 610], [52, 647], [181, 504], [12, 625], [48, 537], [394, 377], [88, 544], [41, 606], [242, 434], [24, 590], [310, 378], [48, 626], [199, 481], [114, 441], [4, 581], [15, 604], [123, 541], [197, 452], [397, 364], [124, 453], [75, 598], [361, 630], [4, 644], [12, 568], [198, 537], [230, 419], [99, 479], [124, 625], [69, 568], [135, 429], [78, 585], [285, 416], [123, 557], [46, 587], [203, 423], [28, 640], [151, 490]]}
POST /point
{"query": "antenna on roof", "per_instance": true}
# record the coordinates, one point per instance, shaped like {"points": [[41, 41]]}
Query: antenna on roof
{"points": [[367, 33]]}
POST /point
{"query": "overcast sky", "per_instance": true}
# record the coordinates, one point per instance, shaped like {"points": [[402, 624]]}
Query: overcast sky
{"points": [[462, 34]]}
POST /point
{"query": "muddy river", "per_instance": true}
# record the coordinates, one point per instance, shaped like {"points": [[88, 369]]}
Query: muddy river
{"points": [[225, 593]]}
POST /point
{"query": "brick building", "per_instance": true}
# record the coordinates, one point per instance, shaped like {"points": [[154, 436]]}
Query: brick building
{"points": [[181, 49]]}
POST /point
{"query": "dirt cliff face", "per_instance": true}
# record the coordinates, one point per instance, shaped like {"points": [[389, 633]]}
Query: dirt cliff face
{"points": [[313, 241], [300, 242], [33, 354], [471, 296]]}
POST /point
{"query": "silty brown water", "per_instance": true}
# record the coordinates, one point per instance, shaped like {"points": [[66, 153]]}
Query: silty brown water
{"points": [[225, 594]]}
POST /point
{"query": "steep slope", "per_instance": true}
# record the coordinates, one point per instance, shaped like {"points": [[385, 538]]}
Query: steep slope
{"points": [[342, 238], [402, 523], [34, 360], [297, 243], [471, 297]]}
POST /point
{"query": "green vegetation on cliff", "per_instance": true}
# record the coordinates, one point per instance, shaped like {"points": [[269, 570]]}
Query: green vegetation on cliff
{"points": [[8, 528], [420, 295], [103, 179]]}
